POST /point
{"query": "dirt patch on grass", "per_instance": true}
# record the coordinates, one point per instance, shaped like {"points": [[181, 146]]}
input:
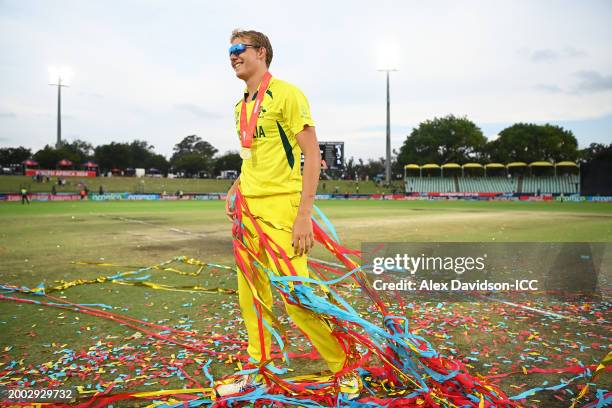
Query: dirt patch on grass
{"points": [[142, 220], [184, 244], [161, 247], [463, 217], [423, 218]]}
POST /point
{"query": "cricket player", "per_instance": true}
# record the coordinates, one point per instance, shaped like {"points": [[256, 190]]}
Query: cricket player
{"points": [[275, 127]]}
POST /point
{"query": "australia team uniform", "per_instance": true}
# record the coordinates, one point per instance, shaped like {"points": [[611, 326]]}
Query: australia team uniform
{"points": [[271, 183]]}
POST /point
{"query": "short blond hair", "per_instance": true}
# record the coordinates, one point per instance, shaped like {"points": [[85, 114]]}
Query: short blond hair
{"points": [[257, 39]]}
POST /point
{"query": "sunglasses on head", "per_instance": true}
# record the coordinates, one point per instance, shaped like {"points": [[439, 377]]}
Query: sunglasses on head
{"points": [[239, 48]]}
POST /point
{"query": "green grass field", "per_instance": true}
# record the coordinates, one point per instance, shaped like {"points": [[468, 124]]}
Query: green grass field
{"points": [[50, 242]]}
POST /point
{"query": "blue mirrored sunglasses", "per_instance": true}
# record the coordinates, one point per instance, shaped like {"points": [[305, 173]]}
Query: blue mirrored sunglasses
{"points": [[238, 49]]}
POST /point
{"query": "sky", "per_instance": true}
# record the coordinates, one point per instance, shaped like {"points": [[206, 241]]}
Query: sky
{"points": [[159, 70]]}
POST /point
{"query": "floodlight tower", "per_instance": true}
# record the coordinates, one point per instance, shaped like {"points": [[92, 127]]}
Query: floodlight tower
{"points": [[59, 76], [387, 62]]}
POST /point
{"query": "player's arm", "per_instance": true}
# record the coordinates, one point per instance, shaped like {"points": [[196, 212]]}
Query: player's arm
{"points": [[303, 236], [228, 199]]}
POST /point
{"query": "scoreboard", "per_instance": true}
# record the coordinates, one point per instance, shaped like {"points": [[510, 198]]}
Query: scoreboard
{"points": [[333, 154]]}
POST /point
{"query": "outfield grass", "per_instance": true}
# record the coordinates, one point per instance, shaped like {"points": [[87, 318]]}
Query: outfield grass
{"points": [[12, 184], [42, 242]]}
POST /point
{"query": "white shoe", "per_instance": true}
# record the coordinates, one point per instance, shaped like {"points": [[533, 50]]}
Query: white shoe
{"points": [[350, 384], [238, 386]]}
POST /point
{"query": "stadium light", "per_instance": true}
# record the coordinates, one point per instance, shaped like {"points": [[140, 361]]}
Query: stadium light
{"points": [[388, 56], [388, 59], [60, 77]]}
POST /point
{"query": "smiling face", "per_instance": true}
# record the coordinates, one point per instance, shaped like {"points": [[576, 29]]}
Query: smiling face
{"points": [[248, 62]]}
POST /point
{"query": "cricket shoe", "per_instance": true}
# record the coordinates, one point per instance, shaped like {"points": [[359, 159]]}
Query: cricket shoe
{"points": [[239, 385]]}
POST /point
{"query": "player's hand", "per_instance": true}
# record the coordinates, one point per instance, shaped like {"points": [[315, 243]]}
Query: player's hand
{"points": [[229, 211], [303, 236]]}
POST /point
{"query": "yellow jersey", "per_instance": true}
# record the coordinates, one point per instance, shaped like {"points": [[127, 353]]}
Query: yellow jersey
{"points": [[274, 166]]}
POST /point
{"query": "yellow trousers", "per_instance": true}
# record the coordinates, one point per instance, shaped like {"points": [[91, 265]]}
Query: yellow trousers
{"points": [[276, 215]]}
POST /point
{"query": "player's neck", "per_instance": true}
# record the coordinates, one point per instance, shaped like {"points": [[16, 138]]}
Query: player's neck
{"points": [[254, 80]]}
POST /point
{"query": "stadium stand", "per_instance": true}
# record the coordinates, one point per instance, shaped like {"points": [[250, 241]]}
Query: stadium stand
{"points": [[430, 184], [566, 184], [516, 184], [488, 184]]}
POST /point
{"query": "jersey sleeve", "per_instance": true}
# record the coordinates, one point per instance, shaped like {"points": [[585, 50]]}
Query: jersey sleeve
{"points": [[296, 112]]}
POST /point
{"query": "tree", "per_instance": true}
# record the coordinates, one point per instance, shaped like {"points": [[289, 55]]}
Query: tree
{"points": [[529, 142], [397, 169], [596, 151], [191, 164], [360, 168], [193, 155], [442, 140], [229, 161], [80, 150], [159, 162], [14, 155], [351, 170], [47, 157], [113, 155], [373, 167], [137, 154], [140, 152]]}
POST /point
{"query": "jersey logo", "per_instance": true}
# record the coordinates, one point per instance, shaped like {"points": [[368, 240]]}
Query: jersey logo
{"points": [[259, 132]]}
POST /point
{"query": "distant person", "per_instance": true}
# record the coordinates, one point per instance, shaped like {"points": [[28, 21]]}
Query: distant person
{"points": [[24, 196], [53, 190], [83, 194], [336, 189], [357, 188], [323, 186], [101, 190]]}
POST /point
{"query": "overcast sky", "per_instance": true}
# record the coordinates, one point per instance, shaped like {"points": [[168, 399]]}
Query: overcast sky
{"points": [[159, 70]]}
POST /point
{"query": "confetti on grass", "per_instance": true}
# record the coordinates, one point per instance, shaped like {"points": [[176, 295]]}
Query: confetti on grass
{"points": [[436, 349]]}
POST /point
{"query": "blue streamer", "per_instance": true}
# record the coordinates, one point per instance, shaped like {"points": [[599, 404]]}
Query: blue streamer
{"points": [[328, 225], [207, 374]]}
